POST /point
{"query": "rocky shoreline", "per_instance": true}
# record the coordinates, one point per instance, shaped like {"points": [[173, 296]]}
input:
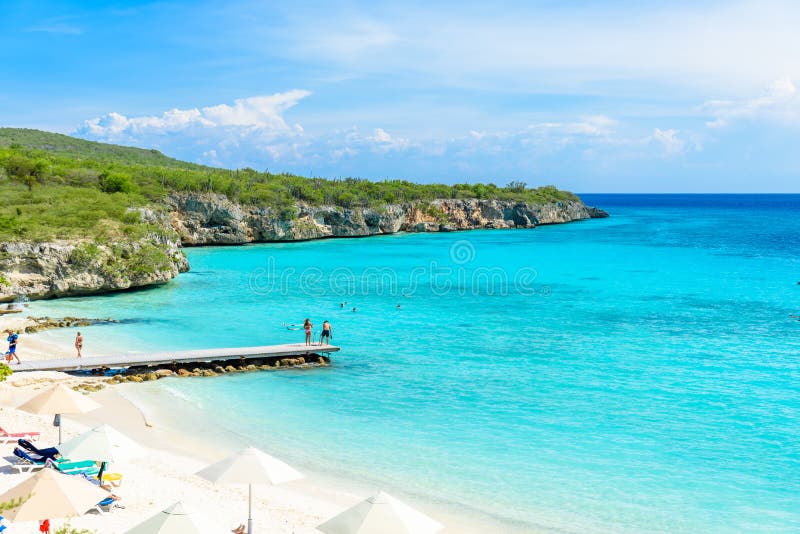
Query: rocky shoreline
{"points": [[208, 369], [211, 219], [64, 268], [60, 269], [38, 324]]}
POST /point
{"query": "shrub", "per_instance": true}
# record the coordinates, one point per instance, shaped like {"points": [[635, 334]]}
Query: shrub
{"points": [[69, 529], [116, 182], [85, 254], [5, 372]]}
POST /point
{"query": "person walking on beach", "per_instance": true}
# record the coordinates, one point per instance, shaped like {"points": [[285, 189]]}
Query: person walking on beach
{"points": [[327, 333], [12, 346], [79, 343], [307, 326]]}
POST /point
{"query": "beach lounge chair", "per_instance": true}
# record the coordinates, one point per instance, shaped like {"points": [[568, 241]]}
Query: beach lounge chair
{"points": [[85, 467], [49, 452], [114, 479], [27, 462], [11, 437], [106, 505]]}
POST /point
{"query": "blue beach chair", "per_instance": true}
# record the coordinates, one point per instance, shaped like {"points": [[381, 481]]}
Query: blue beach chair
{"points": [[27, 462]]}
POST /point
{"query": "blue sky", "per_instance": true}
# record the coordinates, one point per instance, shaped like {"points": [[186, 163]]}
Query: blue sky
{"points": [[591, 96]]}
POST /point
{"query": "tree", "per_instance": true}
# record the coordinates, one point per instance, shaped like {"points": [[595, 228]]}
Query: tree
{"points": [[26, 170], [516, 186], [116, 182]]}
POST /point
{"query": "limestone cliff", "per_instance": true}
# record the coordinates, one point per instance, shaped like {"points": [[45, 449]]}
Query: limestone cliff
{"points": [[209, 219], [44, 270], [55, 269]]}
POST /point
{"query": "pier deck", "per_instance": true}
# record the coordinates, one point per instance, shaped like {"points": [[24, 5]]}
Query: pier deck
{"points": [[178, 357]]}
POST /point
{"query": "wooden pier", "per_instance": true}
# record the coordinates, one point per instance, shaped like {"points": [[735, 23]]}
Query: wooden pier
{"points": [[147, 359]]}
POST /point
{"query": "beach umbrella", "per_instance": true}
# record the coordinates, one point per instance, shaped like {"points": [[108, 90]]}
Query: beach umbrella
{"points": [[250, 466], [49, 494], [58, 400], [177, 519], [102, 444], [381, 514]]}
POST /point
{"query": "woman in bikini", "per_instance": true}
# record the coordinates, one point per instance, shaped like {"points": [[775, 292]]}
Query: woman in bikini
{"points": [[307, 326], [79, 343]]}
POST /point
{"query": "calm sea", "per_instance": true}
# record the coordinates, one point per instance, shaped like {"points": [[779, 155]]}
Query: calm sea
{"points": [[633, 374]]}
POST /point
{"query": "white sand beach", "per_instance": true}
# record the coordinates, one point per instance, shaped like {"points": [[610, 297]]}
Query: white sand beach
{"points": [[166, 474]]}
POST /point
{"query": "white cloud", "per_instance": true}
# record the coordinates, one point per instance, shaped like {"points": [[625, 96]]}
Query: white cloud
{"points": [[259, 111], [670, 140], [384, 142], [251, 131], [347, 42], [263, 115], [733, 45], [780, 102], [254, 132]]}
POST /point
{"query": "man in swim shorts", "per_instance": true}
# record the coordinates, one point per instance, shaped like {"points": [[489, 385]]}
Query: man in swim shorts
{"points": [[327, 333]]}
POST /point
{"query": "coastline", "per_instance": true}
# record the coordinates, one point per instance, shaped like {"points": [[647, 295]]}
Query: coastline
{"points": [[149, 414]]}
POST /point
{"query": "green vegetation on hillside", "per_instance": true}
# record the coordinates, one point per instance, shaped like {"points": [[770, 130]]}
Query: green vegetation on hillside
{"points": [[56, 186]]}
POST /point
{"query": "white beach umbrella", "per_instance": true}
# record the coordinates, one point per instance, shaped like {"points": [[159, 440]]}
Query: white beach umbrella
{"points": [[103, 443], [177, 519], [58, 400], [250, 466], [50, 495], [381, 514]]}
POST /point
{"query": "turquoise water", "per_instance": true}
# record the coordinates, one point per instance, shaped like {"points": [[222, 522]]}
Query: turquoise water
{"points": [[642, 374]]}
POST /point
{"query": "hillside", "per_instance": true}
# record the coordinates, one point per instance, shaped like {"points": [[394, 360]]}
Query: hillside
{"points": [[80, 217], [65, 145], [56, 186]]}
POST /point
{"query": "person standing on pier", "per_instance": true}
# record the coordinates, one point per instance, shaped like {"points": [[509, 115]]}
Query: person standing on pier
{"points": [[327, 333], [307, 326], [79, 343]]}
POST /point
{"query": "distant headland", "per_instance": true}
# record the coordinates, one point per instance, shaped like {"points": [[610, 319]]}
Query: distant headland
{"points": [[81, 217]]}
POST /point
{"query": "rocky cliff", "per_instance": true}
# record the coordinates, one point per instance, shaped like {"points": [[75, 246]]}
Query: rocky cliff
{"points": [[209, 219], [55, 269], [44, 270]]}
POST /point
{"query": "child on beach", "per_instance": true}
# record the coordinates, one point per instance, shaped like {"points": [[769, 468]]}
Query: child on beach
{"points": [[12, 346]]}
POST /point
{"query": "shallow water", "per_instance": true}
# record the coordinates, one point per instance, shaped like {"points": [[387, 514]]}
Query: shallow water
{"points": [[638, 373]]}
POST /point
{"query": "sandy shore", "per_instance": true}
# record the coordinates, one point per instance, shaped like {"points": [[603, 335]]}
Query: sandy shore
{"points": [[166, 475]]}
